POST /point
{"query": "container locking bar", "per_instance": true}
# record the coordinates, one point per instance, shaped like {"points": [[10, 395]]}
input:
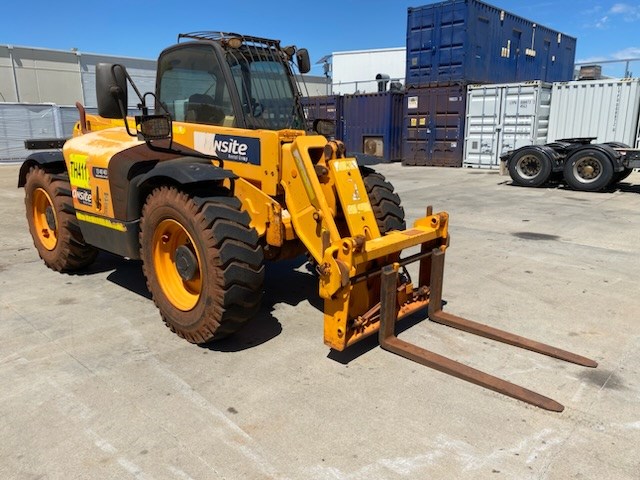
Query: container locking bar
{"points": [[390, 342]]}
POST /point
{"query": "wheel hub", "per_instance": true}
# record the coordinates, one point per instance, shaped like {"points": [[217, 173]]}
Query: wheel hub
{"points": [[529, 166], [587, 169], [51, 218], [186, 263]]}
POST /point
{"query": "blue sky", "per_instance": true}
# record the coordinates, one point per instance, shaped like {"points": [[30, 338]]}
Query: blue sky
{"points": [[606, 29]]}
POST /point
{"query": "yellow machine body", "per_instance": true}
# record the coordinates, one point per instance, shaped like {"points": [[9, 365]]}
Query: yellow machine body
{"points": [[293, 194]]}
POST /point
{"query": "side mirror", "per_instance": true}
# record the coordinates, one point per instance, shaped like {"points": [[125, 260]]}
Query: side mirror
{"points": [[303, 61], [111, 90]]}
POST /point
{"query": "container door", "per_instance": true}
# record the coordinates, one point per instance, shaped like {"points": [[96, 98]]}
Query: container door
{"points": [[483, 126]]}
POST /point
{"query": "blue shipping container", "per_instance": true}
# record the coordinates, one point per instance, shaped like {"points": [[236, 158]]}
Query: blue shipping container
{"points": [[473, 42], [373, 125], [433, 126]]}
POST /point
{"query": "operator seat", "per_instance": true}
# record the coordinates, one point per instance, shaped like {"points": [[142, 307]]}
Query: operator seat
{"points": [[201, 108]]}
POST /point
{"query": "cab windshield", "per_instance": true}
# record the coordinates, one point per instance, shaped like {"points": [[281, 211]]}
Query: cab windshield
{"points": [[263, 81]]}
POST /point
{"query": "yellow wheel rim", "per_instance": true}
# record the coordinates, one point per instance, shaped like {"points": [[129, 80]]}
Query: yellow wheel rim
{"points": [[45, 220], [168, 238]]}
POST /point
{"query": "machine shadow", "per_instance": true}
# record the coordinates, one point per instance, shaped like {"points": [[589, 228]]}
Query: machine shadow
{"points": [[287, 281], [559, 185], [284, 283]]}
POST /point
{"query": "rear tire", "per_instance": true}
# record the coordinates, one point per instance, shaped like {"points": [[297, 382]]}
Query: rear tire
{"points": [[384, 201], [588, 170], [203, 265], [530, 168], [53, 224]]}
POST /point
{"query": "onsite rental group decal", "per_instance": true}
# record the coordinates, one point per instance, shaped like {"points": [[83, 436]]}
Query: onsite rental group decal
{"points": [[228, 147]]}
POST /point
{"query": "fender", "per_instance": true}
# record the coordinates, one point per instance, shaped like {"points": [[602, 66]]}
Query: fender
{"points": [[607, 150], [183, 171], [50, 161], [554, 157]]}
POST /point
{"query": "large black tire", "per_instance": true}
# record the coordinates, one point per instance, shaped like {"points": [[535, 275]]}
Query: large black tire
{"points": [[588, 170], [384, 201], [203, 265], [53, 223], [530, 167]]}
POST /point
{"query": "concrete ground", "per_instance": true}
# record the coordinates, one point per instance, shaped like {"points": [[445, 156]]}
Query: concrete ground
{"points": [[94, 386]]}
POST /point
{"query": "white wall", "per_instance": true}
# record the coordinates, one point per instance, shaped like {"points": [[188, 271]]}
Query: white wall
{"points": [[356, 70]]}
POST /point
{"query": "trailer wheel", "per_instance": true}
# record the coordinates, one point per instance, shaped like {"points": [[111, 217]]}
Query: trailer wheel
{"points": [[384, 201], [530, 167], [203, 265], [53, 224], [588, 170]]}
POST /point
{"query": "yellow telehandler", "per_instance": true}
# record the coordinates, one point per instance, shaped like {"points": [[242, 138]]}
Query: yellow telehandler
{"points": [[224, 176]]}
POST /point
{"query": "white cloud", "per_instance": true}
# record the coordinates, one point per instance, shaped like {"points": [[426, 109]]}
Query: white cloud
{"points": [[595, 59], [629, 52], [629, 12], [602, 23]]}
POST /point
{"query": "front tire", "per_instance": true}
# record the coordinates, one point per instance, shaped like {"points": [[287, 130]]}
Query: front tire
{"points": [[203, 265], [52, 222], [384, 201], [588, 170]]}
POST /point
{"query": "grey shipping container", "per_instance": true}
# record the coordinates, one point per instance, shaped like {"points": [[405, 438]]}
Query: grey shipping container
{"points": [[504, 117], [471, 41], [23, 121], [373, 125], [433, 125], [605, 109]]}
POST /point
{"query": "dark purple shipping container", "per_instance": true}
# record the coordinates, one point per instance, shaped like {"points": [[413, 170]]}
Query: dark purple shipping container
{"points": [[433, 127], [373, 124], [473, 42], [325, 107]]}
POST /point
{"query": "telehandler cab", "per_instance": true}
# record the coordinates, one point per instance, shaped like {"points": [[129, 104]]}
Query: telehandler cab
{"points": [[222, 177]]}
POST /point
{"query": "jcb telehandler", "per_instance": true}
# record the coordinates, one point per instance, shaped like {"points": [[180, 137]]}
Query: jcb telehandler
{"points": [[222, 177]]}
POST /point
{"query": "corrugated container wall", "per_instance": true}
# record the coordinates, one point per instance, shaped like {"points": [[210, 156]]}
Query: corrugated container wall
{"points": [[373, 125], [605, 109], [22, 121], [433, 125], [504, 117], [471, 41], [326, 107], [143, 73]]}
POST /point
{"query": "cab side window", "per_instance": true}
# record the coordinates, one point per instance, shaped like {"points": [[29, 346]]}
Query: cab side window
{"points": [[192, 86]]}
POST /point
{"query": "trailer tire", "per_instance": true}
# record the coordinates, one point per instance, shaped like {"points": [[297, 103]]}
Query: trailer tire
{"points": [[384, 201], [588, 170], [203, 265], [53, 223], [530, 167]]}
